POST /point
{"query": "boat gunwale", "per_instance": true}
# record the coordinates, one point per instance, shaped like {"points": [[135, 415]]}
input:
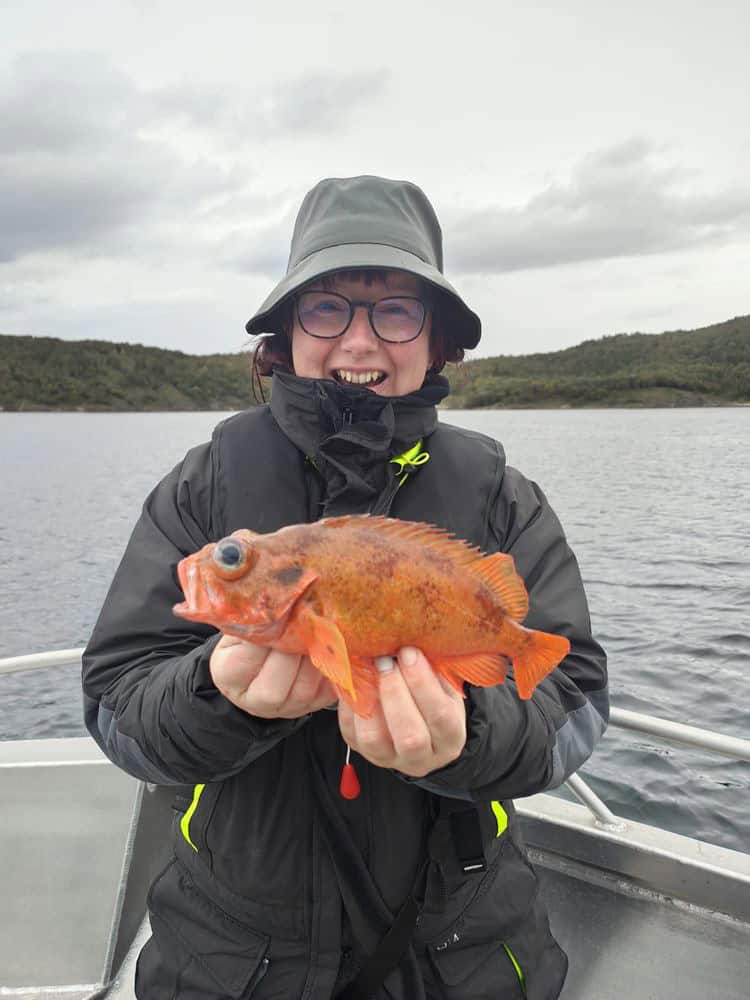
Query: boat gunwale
{"points": [[585, 842]]}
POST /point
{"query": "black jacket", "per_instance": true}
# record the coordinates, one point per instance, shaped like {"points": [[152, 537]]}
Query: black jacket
{"points": [[252, 904]]}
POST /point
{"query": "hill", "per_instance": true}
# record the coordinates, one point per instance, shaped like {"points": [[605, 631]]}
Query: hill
{"points": [[710, 366], [44, 373]]}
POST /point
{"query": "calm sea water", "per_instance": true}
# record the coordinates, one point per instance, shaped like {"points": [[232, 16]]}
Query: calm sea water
{"points": [[655, 504]]}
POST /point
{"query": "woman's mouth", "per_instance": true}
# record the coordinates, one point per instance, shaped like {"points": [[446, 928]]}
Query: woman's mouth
{"points": [[370, 378]]}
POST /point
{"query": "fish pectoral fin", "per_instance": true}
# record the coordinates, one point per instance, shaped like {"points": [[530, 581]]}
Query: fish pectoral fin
{"points": [[480, 669], [327, 650], [499, 573]]}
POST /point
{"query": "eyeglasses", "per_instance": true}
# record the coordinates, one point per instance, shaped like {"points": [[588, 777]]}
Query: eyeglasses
{"points": [[396, 319]]}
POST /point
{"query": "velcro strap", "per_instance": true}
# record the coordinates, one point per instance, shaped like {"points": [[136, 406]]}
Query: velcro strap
{"points": [[466, 832]]}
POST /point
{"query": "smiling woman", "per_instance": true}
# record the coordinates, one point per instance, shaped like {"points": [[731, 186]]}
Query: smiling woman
{"points": [[359, 354], [398, 321], [382, 251], [291, 876]]}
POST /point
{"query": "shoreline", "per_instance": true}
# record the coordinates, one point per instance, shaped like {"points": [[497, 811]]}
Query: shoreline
{"points": [[441, 408]]}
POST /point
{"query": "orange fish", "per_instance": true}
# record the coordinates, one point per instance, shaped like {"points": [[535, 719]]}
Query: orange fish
{"points": [[346, 590]]}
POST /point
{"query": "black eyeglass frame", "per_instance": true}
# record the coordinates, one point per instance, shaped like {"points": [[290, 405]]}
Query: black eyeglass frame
{"points": [[370, 306]]}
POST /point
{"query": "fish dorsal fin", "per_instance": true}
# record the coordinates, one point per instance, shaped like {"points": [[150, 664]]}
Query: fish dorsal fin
{"points": [[438, 540], [499, 573], [496, 571]]}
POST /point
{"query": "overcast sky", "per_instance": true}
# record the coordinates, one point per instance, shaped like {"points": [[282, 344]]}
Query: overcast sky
{"points": [[588, 162]]}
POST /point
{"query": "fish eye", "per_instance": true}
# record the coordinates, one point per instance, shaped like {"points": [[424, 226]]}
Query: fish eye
{"points": [[230, 558]]}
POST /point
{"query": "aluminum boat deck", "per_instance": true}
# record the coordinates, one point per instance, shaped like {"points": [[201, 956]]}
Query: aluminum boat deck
{"points": [[642, 913]]}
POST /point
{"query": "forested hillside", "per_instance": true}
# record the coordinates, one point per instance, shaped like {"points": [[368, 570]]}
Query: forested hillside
{"points": [[44, 373], [689, 368], [710, 366]]}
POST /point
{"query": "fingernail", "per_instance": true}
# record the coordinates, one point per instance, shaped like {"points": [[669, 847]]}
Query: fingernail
{"points": [[384, 664], [408, 656]]}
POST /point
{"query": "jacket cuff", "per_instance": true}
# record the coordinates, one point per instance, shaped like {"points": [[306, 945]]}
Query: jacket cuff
{"points": [[204, 694], [220, 720]]}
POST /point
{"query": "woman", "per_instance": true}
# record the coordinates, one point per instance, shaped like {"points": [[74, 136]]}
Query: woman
{"points": [[280, 887]]}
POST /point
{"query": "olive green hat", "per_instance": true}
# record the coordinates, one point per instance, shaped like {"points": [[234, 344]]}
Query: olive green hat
{"points": [[372, 222]]}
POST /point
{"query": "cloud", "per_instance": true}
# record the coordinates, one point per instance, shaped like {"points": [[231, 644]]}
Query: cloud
{"points": [[75, 168], [316, 104], [322, 103], [263, 250], [60, 102], [92, 164], [619, 202], [22, 294]]}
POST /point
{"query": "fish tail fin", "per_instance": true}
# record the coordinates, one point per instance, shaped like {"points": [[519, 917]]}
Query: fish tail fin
{"points": [[538, 657]]}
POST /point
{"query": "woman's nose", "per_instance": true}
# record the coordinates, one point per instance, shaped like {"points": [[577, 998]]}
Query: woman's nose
{"points": [[360, 334]]}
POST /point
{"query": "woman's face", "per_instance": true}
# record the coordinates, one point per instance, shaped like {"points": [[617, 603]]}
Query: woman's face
{"points": [[358, 354]]}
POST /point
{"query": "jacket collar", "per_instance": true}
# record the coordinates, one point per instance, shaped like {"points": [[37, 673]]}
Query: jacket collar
{"points": [[349, 433]]}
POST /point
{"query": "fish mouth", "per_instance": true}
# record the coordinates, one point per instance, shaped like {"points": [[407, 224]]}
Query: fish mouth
{"points": [[197, 605], [204, 603]]}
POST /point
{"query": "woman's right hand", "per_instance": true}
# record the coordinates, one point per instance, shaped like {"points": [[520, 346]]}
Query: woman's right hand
{"points": [[266, 683]]}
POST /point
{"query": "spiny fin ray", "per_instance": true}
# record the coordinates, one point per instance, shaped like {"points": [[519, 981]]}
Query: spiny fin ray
{"points": [[480, 669]]}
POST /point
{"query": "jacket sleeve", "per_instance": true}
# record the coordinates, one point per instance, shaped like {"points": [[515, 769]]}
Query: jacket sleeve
{"points": [[516, 748], [149, 700]]}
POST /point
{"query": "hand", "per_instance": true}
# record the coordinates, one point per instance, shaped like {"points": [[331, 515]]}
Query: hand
{"points": [[419, 724], [266, 683]]}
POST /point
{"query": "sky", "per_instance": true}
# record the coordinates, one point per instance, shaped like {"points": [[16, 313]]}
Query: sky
{"points": [[588, 162]]}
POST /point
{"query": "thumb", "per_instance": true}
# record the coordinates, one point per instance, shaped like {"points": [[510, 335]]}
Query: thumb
{"points": [[235, 664]]}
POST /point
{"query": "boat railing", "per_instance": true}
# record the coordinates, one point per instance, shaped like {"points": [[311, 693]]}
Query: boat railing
{"points": [[626, 898], [672, 732]]}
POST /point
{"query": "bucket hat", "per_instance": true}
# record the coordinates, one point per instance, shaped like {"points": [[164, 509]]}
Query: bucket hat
{"points": [[372, 222]]}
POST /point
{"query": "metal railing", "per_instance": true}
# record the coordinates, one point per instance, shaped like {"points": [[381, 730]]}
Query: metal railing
{"points": [[672, 732], [38, 661]]}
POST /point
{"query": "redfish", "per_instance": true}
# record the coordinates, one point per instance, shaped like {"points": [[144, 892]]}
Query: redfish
{"points": [[346, 590]]}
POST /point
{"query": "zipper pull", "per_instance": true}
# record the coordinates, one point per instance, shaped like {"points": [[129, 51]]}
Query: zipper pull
{"points": [[349, 786]]}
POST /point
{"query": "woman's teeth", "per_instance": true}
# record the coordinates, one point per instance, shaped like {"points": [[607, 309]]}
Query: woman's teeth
{"points": [[359, 378]]}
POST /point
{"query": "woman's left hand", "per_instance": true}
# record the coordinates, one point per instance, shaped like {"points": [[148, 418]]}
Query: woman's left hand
{"points": [[419, 724]]}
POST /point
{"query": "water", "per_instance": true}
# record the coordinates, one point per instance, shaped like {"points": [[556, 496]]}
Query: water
{"points": [[654, 503]]}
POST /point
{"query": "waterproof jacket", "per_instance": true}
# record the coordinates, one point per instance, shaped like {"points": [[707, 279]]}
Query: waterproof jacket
{"points": [[258, 901]]}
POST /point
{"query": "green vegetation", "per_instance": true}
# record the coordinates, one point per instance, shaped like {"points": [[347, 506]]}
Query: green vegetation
{"points": [[44, 373], [707, 367]]}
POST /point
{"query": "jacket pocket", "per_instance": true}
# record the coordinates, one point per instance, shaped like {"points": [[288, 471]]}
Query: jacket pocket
{"points": [[197, 950], [498, 944], [486, 907], [484, 971]]}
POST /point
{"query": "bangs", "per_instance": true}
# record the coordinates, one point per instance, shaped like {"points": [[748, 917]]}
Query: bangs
{"points": [[368, 275]]}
